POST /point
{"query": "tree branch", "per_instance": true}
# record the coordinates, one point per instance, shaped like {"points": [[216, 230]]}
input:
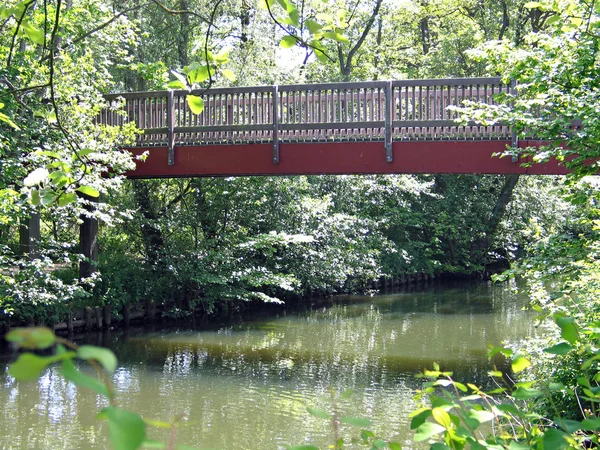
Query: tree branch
{"points": [[362, 38], [177, 12]]}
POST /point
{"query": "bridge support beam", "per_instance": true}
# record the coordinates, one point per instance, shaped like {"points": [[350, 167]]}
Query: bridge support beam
{"points": [[337, 158]]}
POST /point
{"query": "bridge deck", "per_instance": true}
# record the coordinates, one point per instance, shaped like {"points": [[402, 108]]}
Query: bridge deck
{"points": [[401, 126]]}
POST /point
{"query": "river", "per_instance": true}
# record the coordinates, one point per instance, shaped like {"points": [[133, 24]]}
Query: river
{"points": [[248, 386]]}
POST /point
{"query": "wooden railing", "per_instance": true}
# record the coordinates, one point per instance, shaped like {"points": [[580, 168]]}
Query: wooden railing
{"points": [[377, 110]]}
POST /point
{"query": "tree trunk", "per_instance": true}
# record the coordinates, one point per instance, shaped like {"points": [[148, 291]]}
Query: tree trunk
{"points": [[504, 198], [151, 232]]}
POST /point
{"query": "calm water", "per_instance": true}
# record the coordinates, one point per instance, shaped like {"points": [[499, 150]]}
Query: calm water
{"points": [[248, 386]]}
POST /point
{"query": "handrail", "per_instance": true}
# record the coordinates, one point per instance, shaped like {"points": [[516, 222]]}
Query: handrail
{"points": [[371, 110]]}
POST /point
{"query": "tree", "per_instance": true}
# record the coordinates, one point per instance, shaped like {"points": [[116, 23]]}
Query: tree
{"points": [[557, 78]]}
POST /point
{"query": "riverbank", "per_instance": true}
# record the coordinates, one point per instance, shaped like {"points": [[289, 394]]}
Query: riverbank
{"points": [[109, 317]]}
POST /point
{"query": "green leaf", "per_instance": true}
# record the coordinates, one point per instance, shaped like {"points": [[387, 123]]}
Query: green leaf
{"points": [[420, 418], [555, 439], [522, 393], [89, 191], [321, 55], [4, 118], [533, 5], [228, 74], [570, 426], [356, 421], [568, 329], [71, 373], [28, 366], [126, 430], [440, 446], [67, 198], [35, 197], [559, 349], [195, 103], [336, 37], [223, 56], [394, 446], [34, 34], [481, 416], [47, 196], [318, 413], [442, 417], [176, 84], [427, 430], [365, 435], [312, 26], [508, 409], [199, 74], [104, 356], [288, 42], [48, 153], [519, 363], [181, 78], [303, 447], [591, 424], [31, 338]]}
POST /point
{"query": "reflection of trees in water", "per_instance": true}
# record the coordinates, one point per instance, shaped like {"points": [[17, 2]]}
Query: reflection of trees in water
{"points": [[258, 378]]}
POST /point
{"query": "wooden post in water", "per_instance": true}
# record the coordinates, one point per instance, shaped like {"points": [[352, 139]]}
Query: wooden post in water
{"points": [[98, 312], [107, 316], [150, 310], [126, 314], [70, 323], [88, 318]]}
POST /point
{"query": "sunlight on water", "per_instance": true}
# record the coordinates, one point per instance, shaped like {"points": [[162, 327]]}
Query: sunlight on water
{"points": [[248, 386]]}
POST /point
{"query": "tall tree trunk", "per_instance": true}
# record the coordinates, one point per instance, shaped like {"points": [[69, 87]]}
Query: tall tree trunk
{"points": [[346, 62], [183, 35], [504, 198], [151, 233]]}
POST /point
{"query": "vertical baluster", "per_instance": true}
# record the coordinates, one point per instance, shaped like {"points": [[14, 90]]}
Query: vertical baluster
{"points": [[208, 106], [351, 112], [420, 110], [263, 110], [254, 118], [319, 112], [326, 105], [495, 128], [488, 130], [434, 102], [142, 116]]}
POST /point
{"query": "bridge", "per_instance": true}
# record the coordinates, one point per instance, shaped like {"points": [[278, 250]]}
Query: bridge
{"points": [[376, 127]]}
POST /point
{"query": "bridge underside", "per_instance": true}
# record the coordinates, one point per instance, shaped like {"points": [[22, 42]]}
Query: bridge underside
{"points": [[336, 158]]}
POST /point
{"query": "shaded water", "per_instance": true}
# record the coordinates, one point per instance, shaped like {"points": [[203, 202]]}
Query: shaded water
{"points": [[247, 386]]}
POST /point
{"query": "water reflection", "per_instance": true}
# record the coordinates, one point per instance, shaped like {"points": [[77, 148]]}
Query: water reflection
{"points": [[248, 386]]}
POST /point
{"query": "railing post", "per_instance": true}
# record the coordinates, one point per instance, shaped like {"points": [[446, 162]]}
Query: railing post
{"points": [[171, 127], [513, 134], [389, 118], [275, 124]]}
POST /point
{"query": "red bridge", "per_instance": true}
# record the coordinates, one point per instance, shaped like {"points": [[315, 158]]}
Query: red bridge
{"points": [[335, 128]]}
